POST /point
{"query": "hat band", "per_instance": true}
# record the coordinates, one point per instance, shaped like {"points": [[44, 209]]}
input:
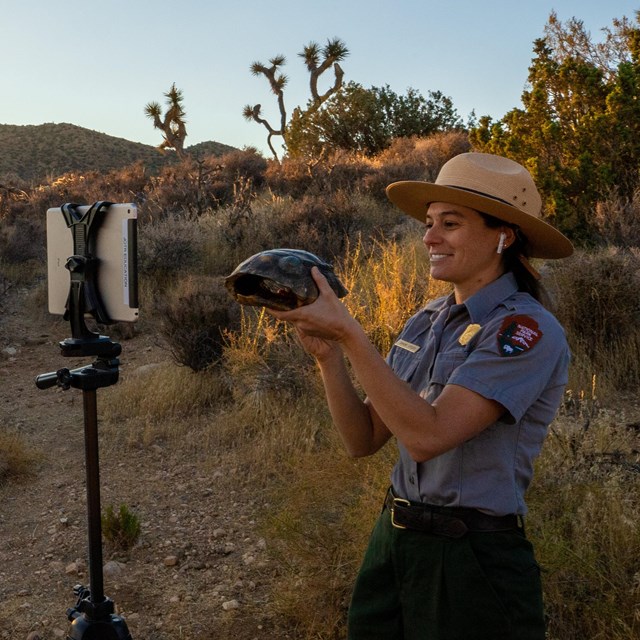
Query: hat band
{"points": [[479, 193]]}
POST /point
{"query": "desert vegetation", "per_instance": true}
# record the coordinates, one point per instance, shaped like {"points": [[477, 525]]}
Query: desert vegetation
{"points": [[242, 382], [243, 385]]}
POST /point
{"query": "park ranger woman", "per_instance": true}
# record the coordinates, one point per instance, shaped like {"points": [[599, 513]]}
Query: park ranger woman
{"points": [[468, 391]]}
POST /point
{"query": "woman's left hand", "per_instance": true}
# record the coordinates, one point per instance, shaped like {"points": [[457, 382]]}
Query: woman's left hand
{"points": [[326, 318]]}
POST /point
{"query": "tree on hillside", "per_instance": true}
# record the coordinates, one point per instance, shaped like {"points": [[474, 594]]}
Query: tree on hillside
{"points": [[367, 120], [579, 128], [318, 60], [173, 124]]}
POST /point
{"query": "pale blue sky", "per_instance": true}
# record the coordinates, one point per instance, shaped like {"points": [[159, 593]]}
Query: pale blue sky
{"points": [[96, 64]]}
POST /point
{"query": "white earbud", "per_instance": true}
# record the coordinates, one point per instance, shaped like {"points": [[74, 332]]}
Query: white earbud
{"points": [[503, 237]]}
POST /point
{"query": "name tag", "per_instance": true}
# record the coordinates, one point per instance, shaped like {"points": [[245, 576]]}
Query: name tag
{"points": [[407, 346]]}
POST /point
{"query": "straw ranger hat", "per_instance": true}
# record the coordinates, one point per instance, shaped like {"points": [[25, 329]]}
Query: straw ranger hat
{"points": [[489, 184]]}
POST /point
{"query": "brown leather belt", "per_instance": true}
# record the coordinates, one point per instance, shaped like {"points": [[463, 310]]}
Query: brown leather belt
{"points": [[452, 522]]}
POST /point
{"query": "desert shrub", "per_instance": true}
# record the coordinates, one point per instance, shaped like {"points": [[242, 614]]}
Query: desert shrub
{"points": [[413, 159], [194, 186], [275, 407], [247, 164], [194, 315], [617, 220], [293, 176], [344, 171], [30, 206], [74, 187], [164, 402], [128, 184], [14, 196], [597, 302], [17, 458], [261, 358], [171, 245], [179, 189], [22, 240], [232, 178], [296, 177], [120, 529], [584, 514], [324, 225]]}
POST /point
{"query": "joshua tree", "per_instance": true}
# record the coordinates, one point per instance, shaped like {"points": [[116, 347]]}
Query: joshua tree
{"points": [[277, 82], [333, 52], [173, 125], [318, 60]]}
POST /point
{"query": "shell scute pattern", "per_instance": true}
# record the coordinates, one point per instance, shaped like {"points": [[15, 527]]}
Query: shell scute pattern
{"points": [[280, 279]]}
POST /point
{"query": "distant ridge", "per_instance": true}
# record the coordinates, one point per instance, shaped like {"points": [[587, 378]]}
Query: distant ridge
{"points": [[37, 152]]}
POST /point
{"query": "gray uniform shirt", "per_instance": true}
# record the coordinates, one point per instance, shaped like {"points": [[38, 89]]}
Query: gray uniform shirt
{"points": [[504, 345]]}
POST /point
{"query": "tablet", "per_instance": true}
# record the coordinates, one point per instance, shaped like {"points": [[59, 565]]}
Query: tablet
{"points": [[116, 252]]}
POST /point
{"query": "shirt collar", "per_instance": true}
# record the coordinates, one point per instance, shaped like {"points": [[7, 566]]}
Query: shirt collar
{"points": [[488, 298]]}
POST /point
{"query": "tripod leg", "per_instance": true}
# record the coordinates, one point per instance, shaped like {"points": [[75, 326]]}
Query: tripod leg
{"points": [[93, 495], [93, 617]]}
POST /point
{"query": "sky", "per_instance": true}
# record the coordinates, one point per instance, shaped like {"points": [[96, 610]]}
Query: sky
{"points": [[97, 64]]}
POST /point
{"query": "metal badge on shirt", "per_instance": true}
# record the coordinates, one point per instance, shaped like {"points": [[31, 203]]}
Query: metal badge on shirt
{"points": [[468, 333]]}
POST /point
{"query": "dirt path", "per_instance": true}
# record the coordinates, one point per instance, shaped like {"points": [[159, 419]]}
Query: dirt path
{"points": [[201, 569]]}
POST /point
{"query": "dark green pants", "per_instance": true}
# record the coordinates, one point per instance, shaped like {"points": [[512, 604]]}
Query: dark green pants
{"points": [[418, 586]]}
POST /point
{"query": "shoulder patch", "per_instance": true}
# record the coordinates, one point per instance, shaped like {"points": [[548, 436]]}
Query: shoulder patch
{"points": [[517, 335]]}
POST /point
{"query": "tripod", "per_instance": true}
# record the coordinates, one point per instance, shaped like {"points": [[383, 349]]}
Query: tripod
{"points": [[93, 617]]}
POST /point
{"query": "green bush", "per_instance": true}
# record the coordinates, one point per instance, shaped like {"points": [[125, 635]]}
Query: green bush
{"points": [[121, 529]]}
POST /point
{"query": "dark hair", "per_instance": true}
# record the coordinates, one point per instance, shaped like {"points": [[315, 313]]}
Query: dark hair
{"points": [[527, 282]]}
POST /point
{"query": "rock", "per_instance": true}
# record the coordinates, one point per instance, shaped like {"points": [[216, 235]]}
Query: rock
{"points": [[230, 604], [170, 561], [113, 568], [34, 635]]}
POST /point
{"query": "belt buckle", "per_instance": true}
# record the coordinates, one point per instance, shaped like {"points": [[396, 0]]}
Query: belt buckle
{"points": [[394, 502]]}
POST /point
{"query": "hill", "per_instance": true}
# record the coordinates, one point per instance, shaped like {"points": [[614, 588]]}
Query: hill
{"points": [[36, 152]]}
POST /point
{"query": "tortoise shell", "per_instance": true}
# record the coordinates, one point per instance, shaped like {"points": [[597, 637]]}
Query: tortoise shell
{"points": [[280, 279]]}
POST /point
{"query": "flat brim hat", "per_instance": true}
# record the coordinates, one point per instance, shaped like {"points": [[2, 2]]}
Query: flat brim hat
{"points": [[489, 184]]}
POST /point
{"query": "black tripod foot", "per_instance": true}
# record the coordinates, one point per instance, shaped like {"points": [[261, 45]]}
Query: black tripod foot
{"points": [[113, 628], [95, 621]]}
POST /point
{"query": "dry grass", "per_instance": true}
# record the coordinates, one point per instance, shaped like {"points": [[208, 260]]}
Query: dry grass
{"points": [[135, 416], [388, 285], [585, 509], [17, 458]]}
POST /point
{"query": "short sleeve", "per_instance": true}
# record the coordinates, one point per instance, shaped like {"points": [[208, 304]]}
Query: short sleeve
{"points": [[516, 357]]}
